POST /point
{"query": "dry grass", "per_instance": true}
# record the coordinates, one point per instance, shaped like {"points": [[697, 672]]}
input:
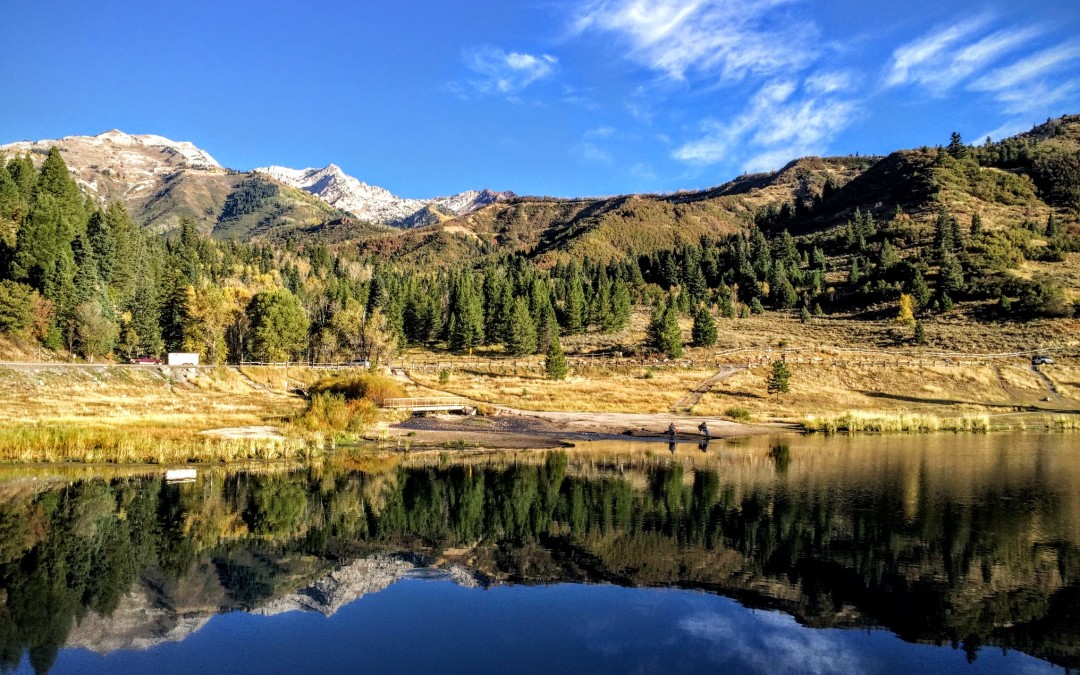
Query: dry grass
{"points": [[816, 390], [55, 414], [594, 390], [868, 422]]}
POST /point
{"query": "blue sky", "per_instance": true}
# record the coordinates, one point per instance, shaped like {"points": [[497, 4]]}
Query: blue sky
{"points": [[543, 97]]}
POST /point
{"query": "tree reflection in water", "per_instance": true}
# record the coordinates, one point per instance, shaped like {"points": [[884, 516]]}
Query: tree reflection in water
{"points": [[995, 563]]}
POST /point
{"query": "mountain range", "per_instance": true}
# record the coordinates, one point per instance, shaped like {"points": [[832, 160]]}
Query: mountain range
{"points": [[1010, 184], [160, 180]]}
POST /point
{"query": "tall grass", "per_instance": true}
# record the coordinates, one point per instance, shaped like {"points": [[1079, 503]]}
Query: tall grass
{"points": [[870, 422], [371, 386], [874, 422], [331, 412], [71, 443]]}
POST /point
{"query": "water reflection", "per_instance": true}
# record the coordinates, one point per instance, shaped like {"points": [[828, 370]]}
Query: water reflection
{"points": [[951, 541]]}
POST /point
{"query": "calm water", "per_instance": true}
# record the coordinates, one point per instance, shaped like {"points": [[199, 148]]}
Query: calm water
{"points": [[881, 555]]}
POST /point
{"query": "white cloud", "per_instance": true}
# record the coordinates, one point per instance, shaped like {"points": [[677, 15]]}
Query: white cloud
{"points": [[592, 153], [505, 73], [770, 642], [828, 82], [911, 61], [729, 38], [782, 121], [1027, 70]]}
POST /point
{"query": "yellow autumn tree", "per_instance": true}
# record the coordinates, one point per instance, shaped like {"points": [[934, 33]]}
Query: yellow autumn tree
{"points": [[906, 315]]}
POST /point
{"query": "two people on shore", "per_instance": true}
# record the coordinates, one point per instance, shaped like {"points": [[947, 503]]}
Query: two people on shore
{"points": [[703, 428]]}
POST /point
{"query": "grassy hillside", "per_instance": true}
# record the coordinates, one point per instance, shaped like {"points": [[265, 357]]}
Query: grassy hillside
{"points": [[231, 205]]}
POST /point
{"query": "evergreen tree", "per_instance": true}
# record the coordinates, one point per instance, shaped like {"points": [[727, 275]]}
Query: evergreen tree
{"points": [[574, 308], [976, 224], [466, 315], [920, 291], [521, 339], [779, 378], [664, 334], [951, 276], [920, 333], [956, 146], [703, 333], [620, 307], [783, 293], [555, 361], [804, 314], [1051, 227], [854, 274]]}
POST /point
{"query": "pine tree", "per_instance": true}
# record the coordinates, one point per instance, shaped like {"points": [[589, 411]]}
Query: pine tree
{"points": [[555, 361], [521, 338], [951, 276], [779, 378], [956, 146], [1051, 227], [703, 333], [804, 315], [466, 315], [574, 308], [783, 293], [920, 333], [620, 307], [854, 274], [920, 291], [664, 333], [976, 224]]}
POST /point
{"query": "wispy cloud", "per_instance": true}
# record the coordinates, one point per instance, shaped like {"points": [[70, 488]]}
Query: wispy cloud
{"points": [[728, 38], [772, 643], [1004, 65], [498, 72], [1027, 71], [781, 122], [920, 58]]}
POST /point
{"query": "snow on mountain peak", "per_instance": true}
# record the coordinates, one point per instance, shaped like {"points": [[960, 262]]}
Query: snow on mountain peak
{"points": [[371, 202]]}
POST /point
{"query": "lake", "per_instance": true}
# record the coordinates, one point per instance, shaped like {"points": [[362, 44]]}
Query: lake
{"points": [[768, 555]]}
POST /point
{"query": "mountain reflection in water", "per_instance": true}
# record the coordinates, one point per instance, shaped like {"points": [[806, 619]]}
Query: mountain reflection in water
{"points": [[958, 541]]}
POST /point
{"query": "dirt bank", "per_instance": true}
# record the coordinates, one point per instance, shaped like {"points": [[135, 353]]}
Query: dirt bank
{"points": [[512, 428]]}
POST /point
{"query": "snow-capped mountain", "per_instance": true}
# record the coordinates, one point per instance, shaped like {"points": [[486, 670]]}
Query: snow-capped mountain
{"points": [[118, 166], [160, 181], [342, 191], [373, 203]]}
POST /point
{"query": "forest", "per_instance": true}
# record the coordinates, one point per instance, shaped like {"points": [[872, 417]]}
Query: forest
{"points": [[83, 278]]}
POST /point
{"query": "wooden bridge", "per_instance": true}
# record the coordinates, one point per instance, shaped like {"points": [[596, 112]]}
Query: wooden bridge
{"points": [[431, 404]]}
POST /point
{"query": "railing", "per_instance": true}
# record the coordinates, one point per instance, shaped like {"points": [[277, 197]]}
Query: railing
{"points": [[429, 402]]}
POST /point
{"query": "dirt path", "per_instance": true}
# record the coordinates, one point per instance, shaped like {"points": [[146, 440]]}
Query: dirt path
{"points": [[688, 401], [1055, 395]]}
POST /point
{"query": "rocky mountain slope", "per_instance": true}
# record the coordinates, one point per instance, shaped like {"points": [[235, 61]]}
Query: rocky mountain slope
{"points": [[160, 181], [376, 204]]}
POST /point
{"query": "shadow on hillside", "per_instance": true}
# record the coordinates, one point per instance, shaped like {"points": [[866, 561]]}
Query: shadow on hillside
{"points": [[946, 401]]}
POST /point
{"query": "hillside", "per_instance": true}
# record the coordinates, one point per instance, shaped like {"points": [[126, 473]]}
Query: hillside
{"points": [[918, 239]]}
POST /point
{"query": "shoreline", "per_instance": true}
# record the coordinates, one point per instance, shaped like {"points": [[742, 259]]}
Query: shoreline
{"points": [[511, 428]]}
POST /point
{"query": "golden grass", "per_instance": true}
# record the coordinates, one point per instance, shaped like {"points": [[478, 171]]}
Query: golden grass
{"points": [[87, 444], [855, 422], [592, 390]]}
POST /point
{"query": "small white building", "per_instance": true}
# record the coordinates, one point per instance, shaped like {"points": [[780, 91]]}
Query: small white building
{"points": [[183, 359]]}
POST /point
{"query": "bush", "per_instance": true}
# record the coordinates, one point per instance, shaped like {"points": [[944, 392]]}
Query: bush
{"points": [[371, 386], [737, 414], [328, 411]]}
